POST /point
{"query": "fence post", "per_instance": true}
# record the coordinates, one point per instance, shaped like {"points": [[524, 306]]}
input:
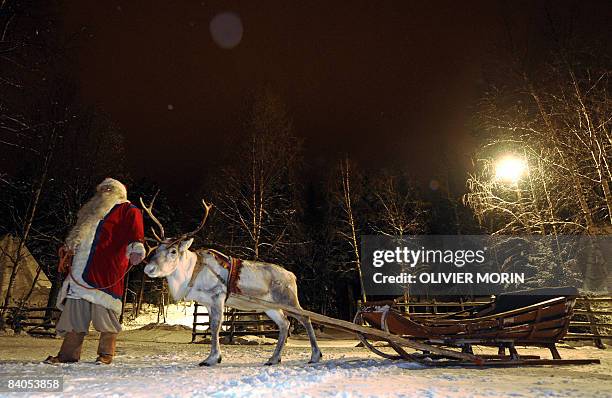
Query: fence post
{"points": [[195, 319], [140, 294], [593, 321]]}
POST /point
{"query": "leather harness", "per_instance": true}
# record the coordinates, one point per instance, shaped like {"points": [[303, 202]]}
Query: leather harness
{"points": [[232, 265]]}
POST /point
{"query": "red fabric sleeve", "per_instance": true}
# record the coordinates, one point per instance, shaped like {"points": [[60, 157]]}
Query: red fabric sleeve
{"points": [[134, 219]]}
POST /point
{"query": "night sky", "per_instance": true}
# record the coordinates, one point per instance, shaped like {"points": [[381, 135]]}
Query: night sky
{"points": [[384, 81]]}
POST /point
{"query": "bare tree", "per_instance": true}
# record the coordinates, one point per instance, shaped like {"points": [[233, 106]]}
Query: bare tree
{"points": [[556, 116], [21, 133], [41, 123], [32, 209], [550, 108], [256, 195], [561, 129], [398, 210], [348, 194]]}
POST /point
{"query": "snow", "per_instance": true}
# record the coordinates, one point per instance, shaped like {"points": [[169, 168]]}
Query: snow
{"points": [[176, 314], [162, 363]]}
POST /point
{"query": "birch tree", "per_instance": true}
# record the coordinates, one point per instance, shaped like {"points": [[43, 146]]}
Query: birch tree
{"points": [[397, 208], [256, 194], [348, 196], [556, 117]]}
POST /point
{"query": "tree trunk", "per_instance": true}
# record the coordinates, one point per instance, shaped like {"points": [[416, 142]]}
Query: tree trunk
{"points": [[31, 213], [27, 296], [576, 180], [608, 196], [346, 187], [140, 294], [56, 284]]}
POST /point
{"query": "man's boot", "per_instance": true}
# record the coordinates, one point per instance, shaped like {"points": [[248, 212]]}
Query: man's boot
{"points": [[70, 351], [106, 348]]}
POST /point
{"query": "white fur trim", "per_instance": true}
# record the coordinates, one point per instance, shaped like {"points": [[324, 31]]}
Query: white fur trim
{"points": [[79, 261], [135, 247], [72, 290]]}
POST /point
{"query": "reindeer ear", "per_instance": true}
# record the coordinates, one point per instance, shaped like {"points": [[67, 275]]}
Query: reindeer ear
{"points": [[185, 245]]}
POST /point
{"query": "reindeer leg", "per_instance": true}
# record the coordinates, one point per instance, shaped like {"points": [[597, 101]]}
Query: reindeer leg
{"points": [[283, 326], [215, 314], [316, 352]]}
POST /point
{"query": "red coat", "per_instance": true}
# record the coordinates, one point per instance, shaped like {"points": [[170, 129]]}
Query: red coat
{"points": [[101, 259], [108, 258]]}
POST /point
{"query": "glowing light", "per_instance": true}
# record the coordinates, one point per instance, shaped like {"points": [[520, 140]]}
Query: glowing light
{"points": [[510, 169]]}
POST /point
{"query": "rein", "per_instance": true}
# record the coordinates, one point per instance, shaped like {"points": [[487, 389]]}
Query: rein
{"points": [[65, 264], [99, 288]]}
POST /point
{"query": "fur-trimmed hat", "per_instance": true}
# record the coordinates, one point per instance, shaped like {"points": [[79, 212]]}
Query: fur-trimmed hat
{"points": [[113, 184]]}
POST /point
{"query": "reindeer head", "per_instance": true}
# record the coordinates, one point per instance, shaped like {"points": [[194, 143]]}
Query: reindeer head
{"points": [[168, 253]]}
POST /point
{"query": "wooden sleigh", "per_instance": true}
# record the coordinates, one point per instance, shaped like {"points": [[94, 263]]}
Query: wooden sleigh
{"points": [[541, 322], [537, 318]]}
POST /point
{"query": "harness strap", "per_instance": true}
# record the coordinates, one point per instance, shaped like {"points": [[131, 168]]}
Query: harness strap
{"points": [[229, 278], [196, 270], [235, 269], [232, 265]]}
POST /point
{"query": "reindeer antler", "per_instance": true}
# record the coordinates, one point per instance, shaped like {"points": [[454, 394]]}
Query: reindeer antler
{"points": [[207, 208], [160, 238], [188, 235]]}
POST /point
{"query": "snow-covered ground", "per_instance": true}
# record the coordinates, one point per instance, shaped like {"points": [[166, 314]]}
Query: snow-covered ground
{"points": [[162, 363], [176, 314]]}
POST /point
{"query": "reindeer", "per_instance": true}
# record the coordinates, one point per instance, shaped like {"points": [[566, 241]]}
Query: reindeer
{"points": [[200, 276]]}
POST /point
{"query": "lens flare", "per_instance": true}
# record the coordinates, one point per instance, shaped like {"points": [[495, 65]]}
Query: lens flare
{"points": [[226, 30]]}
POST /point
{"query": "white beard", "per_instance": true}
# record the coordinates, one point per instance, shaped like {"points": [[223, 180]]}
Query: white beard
{"points": [[90, 215]]}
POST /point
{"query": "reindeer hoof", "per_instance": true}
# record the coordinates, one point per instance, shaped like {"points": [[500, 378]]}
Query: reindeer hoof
{"points": [[206, 363], [316, 360], [270, 363]]}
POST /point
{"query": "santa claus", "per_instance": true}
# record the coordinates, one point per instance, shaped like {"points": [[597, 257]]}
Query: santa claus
{"points": [[107, 238]]}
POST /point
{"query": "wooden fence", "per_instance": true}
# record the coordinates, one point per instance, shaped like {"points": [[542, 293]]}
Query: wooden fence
{"points": [[235, 323], [37, 321], [587, 323]]}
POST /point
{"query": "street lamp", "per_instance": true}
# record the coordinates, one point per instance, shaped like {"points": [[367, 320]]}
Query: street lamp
{"points": [[510, 169]]}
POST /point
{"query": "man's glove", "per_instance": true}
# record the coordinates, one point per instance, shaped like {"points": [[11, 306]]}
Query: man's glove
{"points": [[136, 252], [136, 258]]}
